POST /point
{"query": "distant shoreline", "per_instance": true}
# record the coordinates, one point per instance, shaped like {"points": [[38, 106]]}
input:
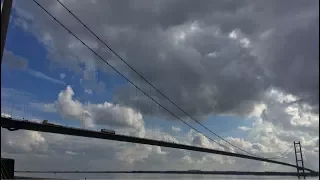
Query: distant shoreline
{"points": [[314, 174]]}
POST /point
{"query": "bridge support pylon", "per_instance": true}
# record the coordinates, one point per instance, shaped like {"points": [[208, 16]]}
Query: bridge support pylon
{"points": [[299, 160]]}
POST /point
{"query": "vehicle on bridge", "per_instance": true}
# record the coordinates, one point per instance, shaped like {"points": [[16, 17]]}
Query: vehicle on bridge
{"points": [[108, 131], [50, 124]]}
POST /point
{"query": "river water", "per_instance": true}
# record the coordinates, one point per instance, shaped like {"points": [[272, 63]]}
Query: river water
{"points": [[158, 177]]}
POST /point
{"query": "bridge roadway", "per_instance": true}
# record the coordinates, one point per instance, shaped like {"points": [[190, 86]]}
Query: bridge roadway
{"points": [[15, 124]]}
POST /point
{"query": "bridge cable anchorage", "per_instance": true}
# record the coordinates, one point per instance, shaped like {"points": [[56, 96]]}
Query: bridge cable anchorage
{"points": [[139, 74], [132, 82]]}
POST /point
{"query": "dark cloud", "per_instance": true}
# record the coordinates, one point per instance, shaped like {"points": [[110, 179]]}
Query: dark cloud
{"points": [[209, 57], [186, 50], [294, 57]]}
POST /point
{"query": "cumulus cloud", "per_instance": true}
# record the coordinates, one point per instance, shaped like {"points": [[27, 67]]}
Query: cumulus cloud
{"points": [[247, 58], [289, 116], [249, 44], [127, 156], [24, 142], [105, 114]]}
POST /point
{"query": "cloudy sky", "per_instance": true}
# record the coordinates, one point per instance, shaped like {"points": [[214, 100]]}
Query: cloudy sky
{"points": [[247, 69]]}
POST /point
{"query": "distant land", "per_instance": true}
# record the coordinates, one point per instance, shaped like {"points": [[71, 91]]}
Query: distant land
{"points": [[265, 173]]}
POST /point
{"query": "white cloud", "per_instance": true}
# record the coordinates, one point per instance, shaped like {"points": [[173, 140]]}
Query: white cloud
{"points": [[238, 35], [106, 114], [172, 51], [244, 128], [5, 115], [72, 109], [212, 54], [291, 116], [88, 91], [40, 75], [62, 75], [127, 156], [24, 142], [176, 129], [183, 43], [233, 35]]}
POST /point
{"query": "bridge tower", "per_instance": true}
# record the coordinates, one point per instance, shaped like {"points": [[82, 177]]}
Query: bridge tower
{"points": [[299, 160]]}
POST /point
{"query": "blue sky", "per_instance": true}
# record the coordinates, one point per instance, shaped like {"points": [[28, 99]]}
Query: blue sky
{"points": [[230, 68], [42, 79]]}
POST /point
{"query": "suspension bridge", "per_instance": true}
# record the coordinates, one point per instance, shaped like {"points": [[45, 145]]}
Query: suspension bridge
{"points": [[13, 124]]}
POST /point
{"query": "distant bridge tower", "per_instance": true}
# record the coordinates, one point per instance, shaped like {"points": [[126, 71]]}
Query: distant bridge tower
{"points": [[300, 166]]}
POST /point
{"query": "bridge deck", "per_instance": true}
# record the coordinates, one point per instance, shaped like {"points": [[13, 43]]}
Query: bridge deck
{"points": [[33, 126]]}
